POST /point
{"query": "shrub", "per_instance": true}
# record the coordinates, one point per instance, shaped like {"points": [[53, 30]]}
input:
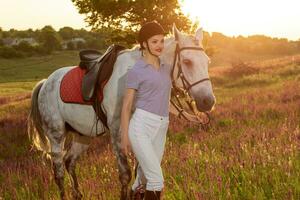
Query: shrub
{"points": [[24, 46], [241, 68], [41, 50], [81, 45], [10, 52], [70, 46]]}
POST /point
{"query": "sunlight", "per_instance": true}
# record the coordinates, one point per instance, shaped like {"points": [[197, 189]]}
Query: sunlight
{"points": [[235, 17]]}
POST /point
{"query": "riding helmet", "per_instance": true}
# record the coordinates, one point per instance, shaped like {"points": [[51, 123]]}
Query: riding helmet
{"points": [[148, 30]]}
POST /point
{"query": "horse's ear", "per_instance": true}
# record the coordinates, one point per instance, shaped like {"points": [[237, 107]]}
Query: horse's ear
{"points": [[175, 32], [199, 35]]}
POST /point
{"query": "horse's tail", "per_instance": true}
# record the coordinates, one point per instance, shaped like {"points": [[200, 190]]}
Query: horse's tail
{"points": [[34, 122]]}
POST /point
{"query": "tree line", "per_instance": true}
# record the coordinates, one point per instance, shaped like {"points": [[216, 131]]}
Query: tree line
{"points": [[50, 40], [255, 44]]}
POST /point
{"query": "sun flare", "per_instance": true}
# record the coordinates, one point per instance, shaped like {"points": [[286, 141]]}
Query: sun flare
{"points": [[244, 17]]}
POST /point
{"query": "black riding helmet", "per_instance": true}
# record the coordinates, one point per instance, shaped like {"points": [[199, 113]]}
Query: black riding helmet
{"points": [[148, 30]]}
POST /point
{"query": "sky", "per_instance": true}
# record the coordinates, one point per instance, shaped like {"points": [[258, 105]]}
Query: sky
{"points": [[275, 18]]}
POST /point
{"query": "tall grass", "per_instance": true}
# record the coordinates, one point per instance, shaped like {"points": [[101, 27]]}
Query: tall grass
{"points": [[35, 68]]}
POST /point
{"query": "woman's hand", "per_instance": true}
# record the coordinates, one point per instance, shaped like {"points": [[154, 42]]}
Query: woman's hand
{"points": [[125, 118], [125, 144]]}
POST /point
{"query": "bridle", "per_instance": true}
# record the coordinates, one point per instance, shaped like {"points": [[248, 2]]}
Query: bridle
{"points": [[185, 92]]}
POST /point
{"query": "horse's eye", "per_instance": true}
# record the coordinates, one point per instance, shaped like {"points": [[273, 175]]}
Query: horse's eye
{"points": [[187, 62]]}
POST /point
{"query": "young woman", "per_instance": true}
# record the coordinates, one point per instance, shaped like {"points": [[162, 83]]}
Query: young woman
{"points": [[148, 89]]}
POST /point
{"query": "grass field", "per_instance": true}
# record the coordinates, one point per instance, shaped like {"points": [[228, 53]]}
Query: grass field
{"points": [[250, 151]]}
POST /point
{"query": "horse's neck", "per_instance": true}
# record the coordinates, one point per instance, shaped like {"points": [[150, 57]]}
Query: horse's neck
{"points": [[168, 58], [128, 58], [169, 52]]}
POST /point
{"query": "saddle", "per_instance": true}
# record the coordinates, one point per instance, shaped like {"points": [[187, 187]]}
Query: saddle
{"points": [[98, 71]]}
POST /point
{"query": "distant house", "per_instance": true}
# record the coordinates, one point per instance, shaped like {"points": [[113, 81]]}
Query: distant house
{"points": [[74, 41], [9, 41], [78, 40], [16, 41]]}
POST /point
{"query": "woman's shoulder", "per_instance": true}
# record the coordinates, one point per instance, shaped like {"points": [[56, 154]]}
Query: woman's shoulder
{"points": [[139, 63], [138, 66], [135, 69]]}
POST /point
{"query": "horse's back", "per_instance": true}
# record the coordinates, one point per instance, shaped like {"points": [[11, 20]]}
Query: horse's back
{"points": [[52, 83]]}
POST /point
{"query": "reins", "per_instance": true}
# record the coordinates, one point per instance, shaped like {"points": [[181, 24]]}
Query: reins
{"points": [[185, 91]]}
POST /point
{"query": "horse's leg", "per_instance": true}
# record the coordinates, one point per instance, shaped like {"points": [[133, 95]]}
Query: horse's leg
{"points": [[57, 139], [58, 170], [79, 144], [124, 170]]}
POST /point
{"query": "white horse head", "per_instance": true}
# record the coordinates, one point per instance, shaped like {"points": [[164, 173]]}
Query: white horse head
{"points": [[194, 66]]}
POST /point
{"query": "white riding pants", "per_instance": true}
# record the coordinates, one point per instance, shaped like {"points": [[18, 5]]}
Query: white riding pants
{"points": [[147, 135]]}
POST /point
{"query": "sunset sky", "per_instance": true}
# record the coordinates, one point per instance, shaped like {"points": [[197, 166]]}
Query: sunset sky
{"points": [[275, 18]]}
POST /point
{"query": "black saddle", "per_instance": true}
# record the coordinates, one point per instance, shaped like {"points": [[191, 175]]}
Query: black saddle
{"points": [[91, 60], [98, 71]]}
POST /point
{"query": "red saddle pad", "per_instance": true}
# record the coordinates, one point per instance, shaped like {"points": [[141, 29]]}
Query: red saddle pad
{"points": [[70, 87]]}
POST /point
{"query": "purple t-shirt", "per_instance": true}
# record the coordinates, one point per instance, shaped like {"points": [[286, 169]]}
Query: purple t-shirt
{"points": [[153, 86]]}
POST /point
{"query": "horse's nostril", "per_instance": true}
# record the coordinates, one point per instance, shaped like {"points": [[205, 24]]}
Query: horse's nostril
{"points": [[205, 101], [208, 101]]}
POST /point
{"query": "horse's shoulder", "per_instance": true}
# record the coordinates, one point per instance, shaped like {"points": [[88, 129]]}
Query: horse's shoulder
{"points": [[128, 58]]}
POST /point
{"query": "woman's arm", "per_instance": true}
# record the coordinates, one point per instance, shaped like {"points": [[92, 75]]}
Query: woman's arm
{"points": [[125, 117]]}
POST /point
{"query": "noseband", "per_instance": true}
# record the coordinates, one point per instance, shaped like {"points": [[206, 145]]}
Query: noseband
{"points": [[185, 92], [186, 84]]}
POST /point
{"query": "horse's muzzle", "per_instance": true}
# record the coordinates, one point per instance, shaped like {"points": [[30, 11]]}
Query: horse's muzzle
{"points": [[205, 103]]}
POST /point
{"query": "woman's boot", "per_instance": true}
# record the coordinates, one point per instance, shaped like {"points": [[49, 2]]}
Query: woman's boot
{"points": [[152, 195]]}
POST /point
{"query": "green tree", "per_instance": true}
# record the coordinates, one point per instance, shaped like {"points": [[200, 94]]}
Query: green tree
{"points": [[1, 36], [82, 33], [95, 43], [67, 33], [24, 46], [70, 45], [10, 52], [81, 45], [12, 32], [24, 34], [50, 39], [124, 17]]}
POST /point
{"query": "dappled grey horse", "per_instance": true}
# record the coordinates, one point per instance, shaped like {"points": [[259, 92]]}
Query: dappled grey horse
{"points": [[50, 117]]}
